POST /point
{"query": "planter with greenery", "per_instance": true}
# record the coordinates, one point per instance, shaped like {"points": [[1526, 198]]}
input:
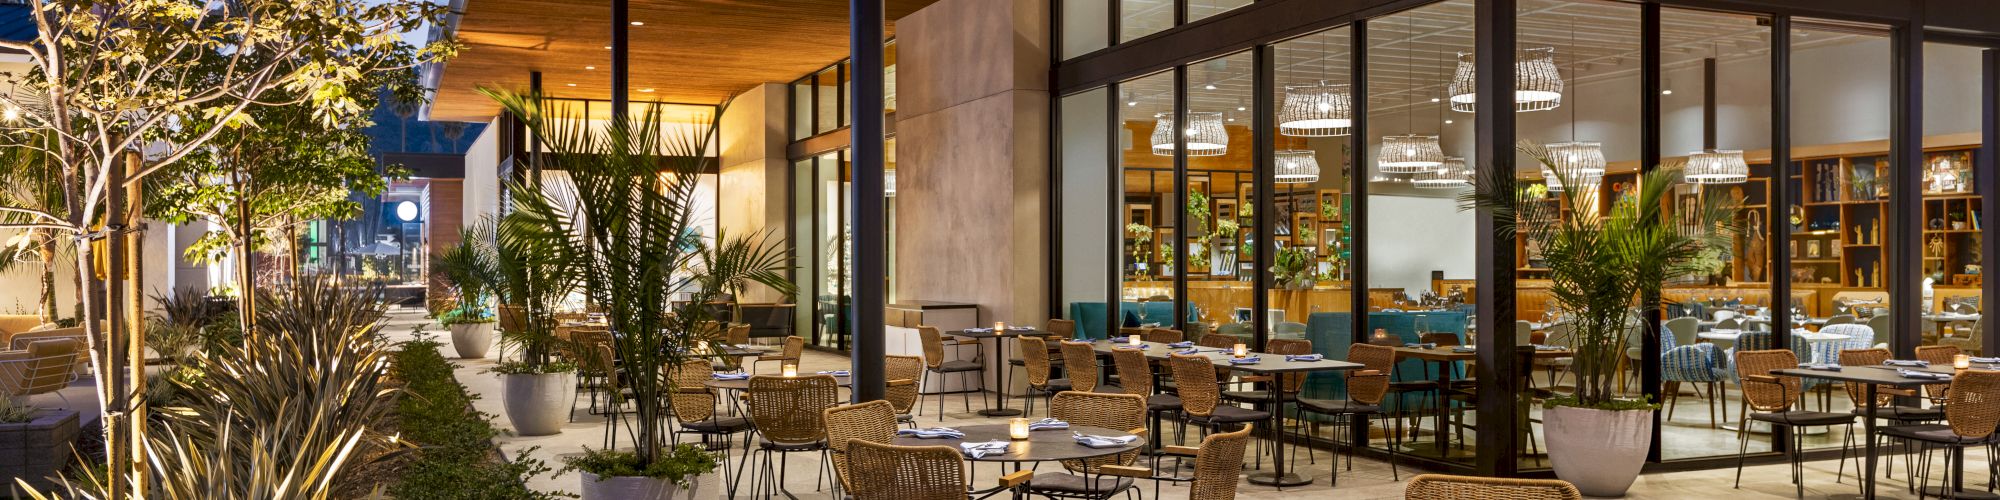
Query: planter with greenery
{"points": [[1605, 270], [455, 457], [469, 268], [620, 224], [535, 275]]}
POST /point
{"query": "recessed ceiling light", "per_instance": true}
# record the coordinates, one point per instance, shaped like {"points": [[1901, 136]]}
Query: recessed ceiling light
{"points": [[646, 89], [607, 47], [1232, 119], [1208, 87], [589, 67], [1240, 108], [1434, 99], [1447, 122], [1131, 103], [638, 23], [570, 84], [1667, 92]]}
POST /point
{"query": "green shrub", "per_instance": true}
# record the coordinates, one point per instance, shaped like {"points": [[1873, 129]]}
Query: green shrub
{"points": [[455, 444]]}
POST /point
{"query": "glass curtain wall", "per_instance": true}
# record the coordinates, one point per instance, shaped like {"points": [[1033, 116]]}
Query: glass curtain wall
{"points": [[1715, 124], [1420, 245], [1086, 225], [1310, 290], [1953, 248], [1150, 213], [1220, 162]]}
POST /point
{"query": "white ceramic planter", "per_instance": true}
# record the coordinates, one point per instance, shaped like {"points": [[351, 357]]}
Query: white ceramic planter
{"points": [[1600, 451], [472, 339], [643, 488], [538, 403]]}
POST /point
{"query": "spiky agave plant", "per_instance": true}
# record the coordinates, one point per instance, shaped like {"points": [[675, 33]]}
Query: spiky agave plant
{"points": [[283, 415], [623, 216], [1604, 268]]}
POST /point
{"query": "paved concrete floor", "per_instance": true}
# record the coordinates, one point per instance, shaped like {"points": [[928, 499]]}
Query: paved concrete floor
{"points": [[1368, 479]]}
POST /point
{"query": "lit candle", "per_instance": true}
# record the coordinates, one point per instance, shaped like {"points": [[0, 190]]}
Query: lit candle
{"points": [[1241, 350], [791, 370], [1017, 428], [999, 326], [1133, 339], [1961, 362]]}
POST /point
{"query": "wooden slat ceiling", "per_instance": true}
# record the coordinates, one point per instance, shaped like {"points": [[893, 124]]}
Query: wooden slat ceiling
{"points": [[688, 51]]}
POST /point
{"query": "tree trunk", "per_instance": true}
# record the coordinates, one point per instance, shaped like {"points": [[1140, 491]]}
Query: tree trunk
{"points": [[48, 254], [246, 294]]}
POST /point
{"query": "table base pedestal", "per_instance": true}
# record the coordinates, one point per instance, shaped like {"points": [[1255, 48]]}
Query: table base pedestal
{"points": [[1000, 412], [1273, 479], [1962, 494]]}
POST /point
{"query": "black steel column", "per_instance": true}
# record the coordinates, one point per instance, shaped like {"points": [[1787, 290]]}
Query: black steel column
{"points": [[1780, 227], [1904, 255], [864, 22], [1181, 225], [1649, 159], [1263, 124], [621, 49], [534, 141], [1499, 425], [1357, 183], [1989, 185]]}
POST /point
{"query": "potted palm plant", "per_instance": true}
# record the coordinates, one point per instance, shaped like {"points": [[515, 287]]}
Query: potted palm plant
{"points": [[1604, 270], [622, 220], [469, 269], [531, 260]]}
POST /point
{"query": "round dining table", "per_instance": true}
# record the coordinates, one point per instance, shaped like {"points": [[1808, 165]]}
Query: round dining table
{"points": [[1041, 446]]}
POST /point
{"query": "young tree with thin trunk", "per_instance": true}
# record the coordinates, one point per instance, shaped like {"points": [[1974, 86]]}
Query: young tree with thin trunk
{"points": [[112, 80]]}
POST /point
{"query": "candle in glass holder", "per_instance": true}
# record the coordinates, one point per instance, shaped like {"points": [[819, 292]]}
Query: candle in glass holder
{"points": [[1017, 428], [1240, 351], [999, 327], [1134, 340], [791, 370], [1961, 361]]}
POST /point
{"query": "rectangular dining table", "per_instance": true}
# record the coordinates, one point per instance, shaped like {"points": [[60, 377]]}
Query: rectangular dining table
{"points": [[1271, 364], [1870, 377]]}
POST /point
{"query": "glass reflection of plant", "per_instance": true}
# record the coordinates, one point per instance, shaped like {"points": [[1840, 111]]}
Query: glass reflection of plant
{"points": [[1139, 235], [1198, 214]]}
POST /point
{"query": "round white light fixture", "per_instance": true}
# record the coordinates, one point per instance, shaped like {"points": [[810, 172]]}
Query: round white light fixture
{"points": [[1716, 166], [1578, 158], [406, 211], [1537, 83], [1205, 136], [1452, 175]]}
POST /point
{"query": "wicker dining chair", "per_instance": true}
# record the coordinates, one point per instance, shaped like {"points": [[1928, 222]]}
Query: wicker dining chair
{"points": [[1163, 335], [1291, 383], [1062, 328], [873, 421], [906, 472], [1035, 361], [1937, 355], [1365, 389], [1201, 397], [788, 414], [1087, 478], [1218, 464], [596, 370], [935, 364], [1884, 400], [794, 348], [1080, 367], [903, 374], [1972, 416], [694, 409], [1135, 376], [1444, 487], [1770, 399]]}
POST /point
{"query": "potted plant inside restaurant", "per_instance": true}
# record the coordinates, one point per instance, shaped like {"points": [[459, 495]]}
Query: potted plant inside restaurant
{"points": [[632, 194], [468, 268], [1600, 267]]}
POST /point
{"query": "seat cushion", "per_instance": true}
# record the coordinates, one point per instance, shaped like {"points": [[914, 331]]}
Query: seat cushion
{"points": [[1934, 433], [959, 365], [1804, 418], [1337, 407], [1056, 385], [718, 425], [1057, 482], [1904, 413], [1225, 414], [1163, 402], [812, 446]]}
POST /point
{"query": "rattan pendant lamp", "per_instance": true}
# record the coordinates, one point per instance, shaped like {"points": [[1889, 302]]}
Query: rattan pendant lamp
{"points": [[1579, 162], [1409, 153]]}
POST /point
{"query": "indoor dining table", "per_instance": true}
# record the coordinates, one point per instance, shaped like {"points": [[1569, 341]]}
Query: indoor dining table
{"points": [[1271, 364], [1870, 377]]}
